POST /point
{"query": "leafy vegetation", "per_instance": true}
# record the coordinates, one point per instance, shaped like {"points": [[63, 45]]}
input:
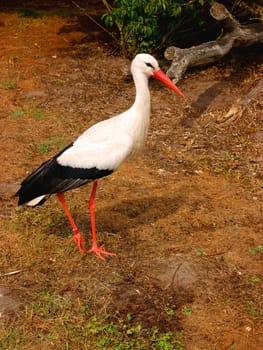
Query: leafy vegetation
{"points": [[121, 336], [149, 25]]}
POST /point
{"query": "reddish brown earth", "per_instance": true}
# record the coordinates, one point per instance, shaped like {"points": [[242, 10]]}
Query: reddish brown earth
{"points": [[182, 218]]}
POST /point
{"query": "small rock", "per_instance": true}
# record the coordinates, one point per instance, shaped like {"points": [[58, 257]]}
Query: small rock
{"points": [[177, 272]]}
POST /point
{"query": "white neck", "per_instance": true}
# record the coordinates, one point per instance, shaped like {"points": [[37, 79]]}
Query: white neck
{"points": [[142, 99], [140, 111]]}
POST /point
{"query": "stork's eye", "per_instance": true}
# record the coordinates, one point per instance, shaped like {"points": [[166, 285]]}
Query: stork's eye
{"points": [[149, 65]]}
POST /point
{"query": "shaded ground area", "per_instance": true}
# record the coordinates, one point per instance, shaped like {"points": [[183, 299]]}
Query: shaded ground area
{"points": [[185, 219]]}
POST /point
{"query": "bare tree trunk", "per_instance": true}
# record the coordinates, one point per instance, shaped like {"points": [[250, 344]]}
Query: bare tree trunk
{"points": [[233, 35]]}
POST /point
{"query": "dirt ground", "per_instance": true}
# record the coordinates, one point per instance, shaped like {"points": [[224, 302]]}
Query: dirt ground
{"points": [[185, 218]]}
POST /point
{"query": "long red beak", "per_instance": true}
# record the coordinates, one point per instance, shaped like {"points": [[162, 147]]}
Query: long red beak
{"points": [[160, 75]]}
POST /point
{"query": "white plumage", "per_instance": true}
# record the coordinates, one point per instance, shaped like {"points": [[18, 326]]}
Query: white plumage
{"points": [[98, 151], [108, 143]]}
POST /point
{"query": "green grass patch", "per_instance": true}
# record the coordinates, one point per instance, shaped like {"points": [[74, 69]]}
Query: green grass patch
{"points": [[8, 84], [187, 311], [54, 143], [121, 335], [57, 81], [18, 114], [30, 12], [256, 250], [255, 280], [254, 310], [36, 112], [201, 252], [63, 323], [33, 111]]}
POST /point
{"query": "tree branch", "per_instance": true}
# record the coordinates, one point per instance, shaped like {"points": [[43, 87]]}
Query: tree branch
{"points": [[233, 35]]}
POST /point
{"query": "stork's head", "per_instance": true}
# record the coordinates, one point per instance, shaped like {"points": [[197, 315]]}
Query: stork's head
{"points": [[146, 63], [149, 66]]}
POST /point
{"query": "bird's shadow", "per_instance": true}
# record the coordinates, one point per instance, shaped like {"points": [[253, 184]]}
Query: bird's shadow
{"points": [[205, 99], [126, 215]]}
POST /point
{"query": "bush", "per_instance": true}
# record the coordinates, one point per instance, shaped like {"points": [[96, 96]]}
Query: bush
{"points": [[147, 26]]}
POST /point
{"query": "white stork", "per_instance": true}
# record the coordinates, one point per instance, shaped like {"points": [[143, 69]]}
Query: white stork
{"points": [[97, 152]]}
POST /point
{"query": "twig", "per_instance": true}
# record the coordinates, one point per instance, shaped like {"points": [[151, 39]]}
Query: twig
{"points": [[173, 277], [11, 273], [106, 4], [93, 19], [240, 105]]}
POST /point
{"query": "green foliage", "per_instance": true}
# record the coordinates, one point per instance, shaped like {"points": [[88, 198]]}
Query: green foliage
{"points": [[255, 250], [149, 25]]}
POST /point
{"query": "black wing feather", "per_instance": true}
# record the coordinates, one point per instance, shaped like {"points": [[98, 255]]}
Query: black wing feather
{"points": [[51, 177]]}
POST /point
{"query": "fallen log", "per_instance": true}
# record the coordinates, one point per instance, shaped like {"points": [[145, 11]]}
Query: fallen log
{"points": [[233, 35]]}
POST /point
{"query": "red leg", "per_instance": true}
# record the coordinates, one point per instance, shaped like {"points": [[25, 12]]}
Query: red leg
{"points": [[95, 248], [76, 234]]}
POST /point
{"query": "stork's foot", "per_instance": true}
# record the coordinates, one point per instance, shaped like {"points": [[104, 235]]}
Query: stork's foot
{"points": [[79, 240], [99, 251]]}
